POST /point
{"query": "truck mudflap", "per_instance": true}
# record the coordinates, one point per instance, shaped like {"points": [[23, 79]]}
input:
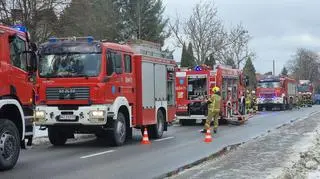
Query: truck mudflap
{"points": [[29, 133]]}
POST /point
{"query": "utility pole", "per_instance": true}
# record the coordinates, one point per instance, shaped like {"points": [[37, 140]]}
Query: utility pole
{"points": [[274, 68], [139, 20]]}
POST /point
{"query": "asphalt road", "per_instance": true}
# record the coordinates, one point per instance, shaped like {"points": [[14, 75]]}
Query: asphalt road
{"points": [[179, 146]]}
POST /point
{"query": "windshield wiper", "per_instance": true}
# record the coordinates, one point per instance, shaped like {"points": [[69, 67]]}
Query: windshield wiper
{"points": [[84, 75]]}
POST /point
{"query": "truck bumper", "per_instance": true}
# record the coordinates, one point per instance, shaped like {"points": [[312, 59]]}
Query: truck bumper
{"points": [[199, 117], [269, 101], [94, 115]]}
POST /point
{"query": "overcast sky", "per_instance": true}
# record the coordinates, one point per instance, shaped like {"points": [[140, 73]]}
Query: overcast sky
{"points": [[278, 27]]}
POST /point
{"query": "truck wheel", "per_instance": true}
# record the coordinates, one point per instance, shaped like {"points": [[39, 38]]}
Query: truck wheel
{"points": [[9, 144], [156, 131], [119, 132], [56, 136]]}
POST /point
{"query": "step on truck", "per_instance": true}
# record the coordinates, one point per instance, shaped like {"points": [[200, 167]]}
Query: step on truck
{"points": [[276, 92], [102, 88], [17, 65], [193, 87]]}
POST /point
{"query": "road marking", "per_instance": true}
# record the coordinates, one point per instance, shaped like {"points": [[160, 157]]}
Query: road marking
{"points": [[96, 154], [167, 138]]}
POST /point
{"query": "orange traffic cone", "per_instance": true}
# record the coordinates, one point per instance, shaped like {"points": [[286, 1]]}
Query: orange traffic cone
{"points": [[145, 139], [208, 137]]}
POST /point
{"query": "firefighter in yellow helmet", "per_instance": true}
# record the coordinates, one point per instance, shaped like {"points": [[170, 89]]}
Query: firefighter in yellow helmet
{"points": [[214, 104]]}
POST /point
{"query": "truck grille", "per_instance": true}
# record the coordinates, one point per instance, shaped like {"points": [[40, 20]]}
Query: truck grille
{"points": [[267, 95], [80, 93]]}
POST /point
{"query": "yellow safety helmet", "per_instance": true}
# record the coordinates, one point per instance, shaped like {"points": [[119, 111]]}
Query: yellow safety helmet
{"points": [[215, 89]]}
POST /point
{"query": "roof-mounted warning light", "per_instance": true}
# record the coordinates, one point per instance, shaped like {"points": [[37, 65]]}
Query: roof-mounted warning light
{"points": [[89, 39], [20, 28], [198, 68]]}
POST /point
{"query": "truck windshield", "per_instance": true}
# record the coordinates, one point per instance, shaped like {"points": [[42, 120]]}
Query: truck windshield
{"points": [[70, 65], [268, 84], [303, 88]]}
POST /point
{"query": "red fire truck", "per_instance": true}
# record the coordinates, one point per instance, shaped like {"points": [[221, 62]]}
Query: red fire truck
{"points": [[276, 92], [88, 86], [194, 86], [17, 64]]}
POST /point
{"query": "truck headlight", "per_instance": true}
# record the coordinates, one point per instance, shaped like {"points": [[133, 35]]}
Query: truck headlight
{"points": [[40, 114], [97, 114]]}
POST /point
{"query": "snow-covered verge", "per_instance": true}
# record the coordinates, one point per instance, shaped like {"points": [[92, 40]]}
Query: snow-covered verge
{"points": [[290, 151], [308, 163]]}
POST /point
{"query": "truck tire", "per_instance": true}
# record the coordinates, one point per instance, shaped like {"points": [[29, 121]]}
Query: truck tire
{"points": [[9, 144], [119, 133], [156, 131], [56, 136]]}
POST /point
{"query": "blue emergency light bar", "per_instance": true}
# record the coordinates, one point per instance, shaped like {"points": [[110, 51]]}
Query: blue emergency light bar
{"points": [[20, 28], [198, 68], [89, 39]]}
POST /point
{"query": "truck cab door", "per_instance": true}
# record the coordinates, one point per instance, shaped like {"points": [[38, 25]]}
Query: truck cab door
{"points": [[20, 84], [127, 87], [114, 74]]}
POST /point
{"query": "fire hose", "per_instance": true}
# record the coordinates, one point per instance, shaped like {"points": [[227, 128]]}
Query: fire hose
{"points": [[239, 117]]}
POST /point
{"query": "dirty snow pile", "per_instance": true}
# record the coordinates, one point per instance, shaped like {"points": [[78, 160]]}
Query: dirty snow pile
{"points": [[308, 163]]}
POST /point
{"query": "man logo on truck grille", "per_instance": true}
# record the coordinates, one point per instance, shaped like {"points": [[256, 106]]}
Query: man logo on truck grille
{"points": [[67, 93]]}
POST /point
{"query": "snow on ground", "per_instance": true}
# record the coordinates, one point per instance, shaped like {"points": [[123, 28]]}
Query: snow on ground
{"points": [[40, 133], [292, 151], [308, 163]]}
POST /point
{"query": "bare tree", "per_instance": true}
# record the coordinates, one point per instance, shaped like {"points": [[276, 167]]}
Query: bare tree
{"points": [[39, 16], [236, 50], [305, 65], [203, 30]]}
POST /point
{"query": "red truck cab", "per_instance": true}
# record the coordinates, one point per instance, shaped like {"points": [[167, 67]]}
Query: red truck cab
{"points": [[17, 65], [276, 92]]}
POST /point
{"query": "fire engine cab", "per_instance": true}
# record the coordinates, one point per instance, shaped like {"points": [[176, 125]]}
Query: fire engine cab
{"points": [[275, 91], [88, 86], [193, 87], [17, 66]]}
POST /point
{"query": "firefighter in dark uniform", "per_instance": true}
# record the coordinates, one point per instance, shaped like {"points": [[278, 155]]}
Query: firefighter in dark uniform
{"points": [[214, 104]]}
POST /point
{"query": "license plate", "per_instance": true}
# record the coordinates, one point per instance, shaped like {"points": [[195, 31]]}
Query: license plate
{"points": [[68, 117]]}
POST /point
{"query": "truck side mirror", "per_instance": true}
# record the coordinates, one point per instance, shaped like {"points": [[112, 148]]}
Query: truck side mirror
{"points": [[33, 47], [31, 59]]}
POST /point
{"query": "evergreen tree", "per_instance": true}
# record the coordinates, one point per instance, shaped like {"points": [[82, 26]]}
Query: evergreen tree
{"points": [[250, 71], [73, 23], [184, 57], [143, 19], [284, 71], [210, 61], [99, 18], [190, 57]]}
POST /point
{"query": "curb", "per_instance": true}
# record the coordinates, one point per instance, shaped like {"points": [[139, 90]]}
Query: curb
{"points": [[221, 152], [228, 149]]}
